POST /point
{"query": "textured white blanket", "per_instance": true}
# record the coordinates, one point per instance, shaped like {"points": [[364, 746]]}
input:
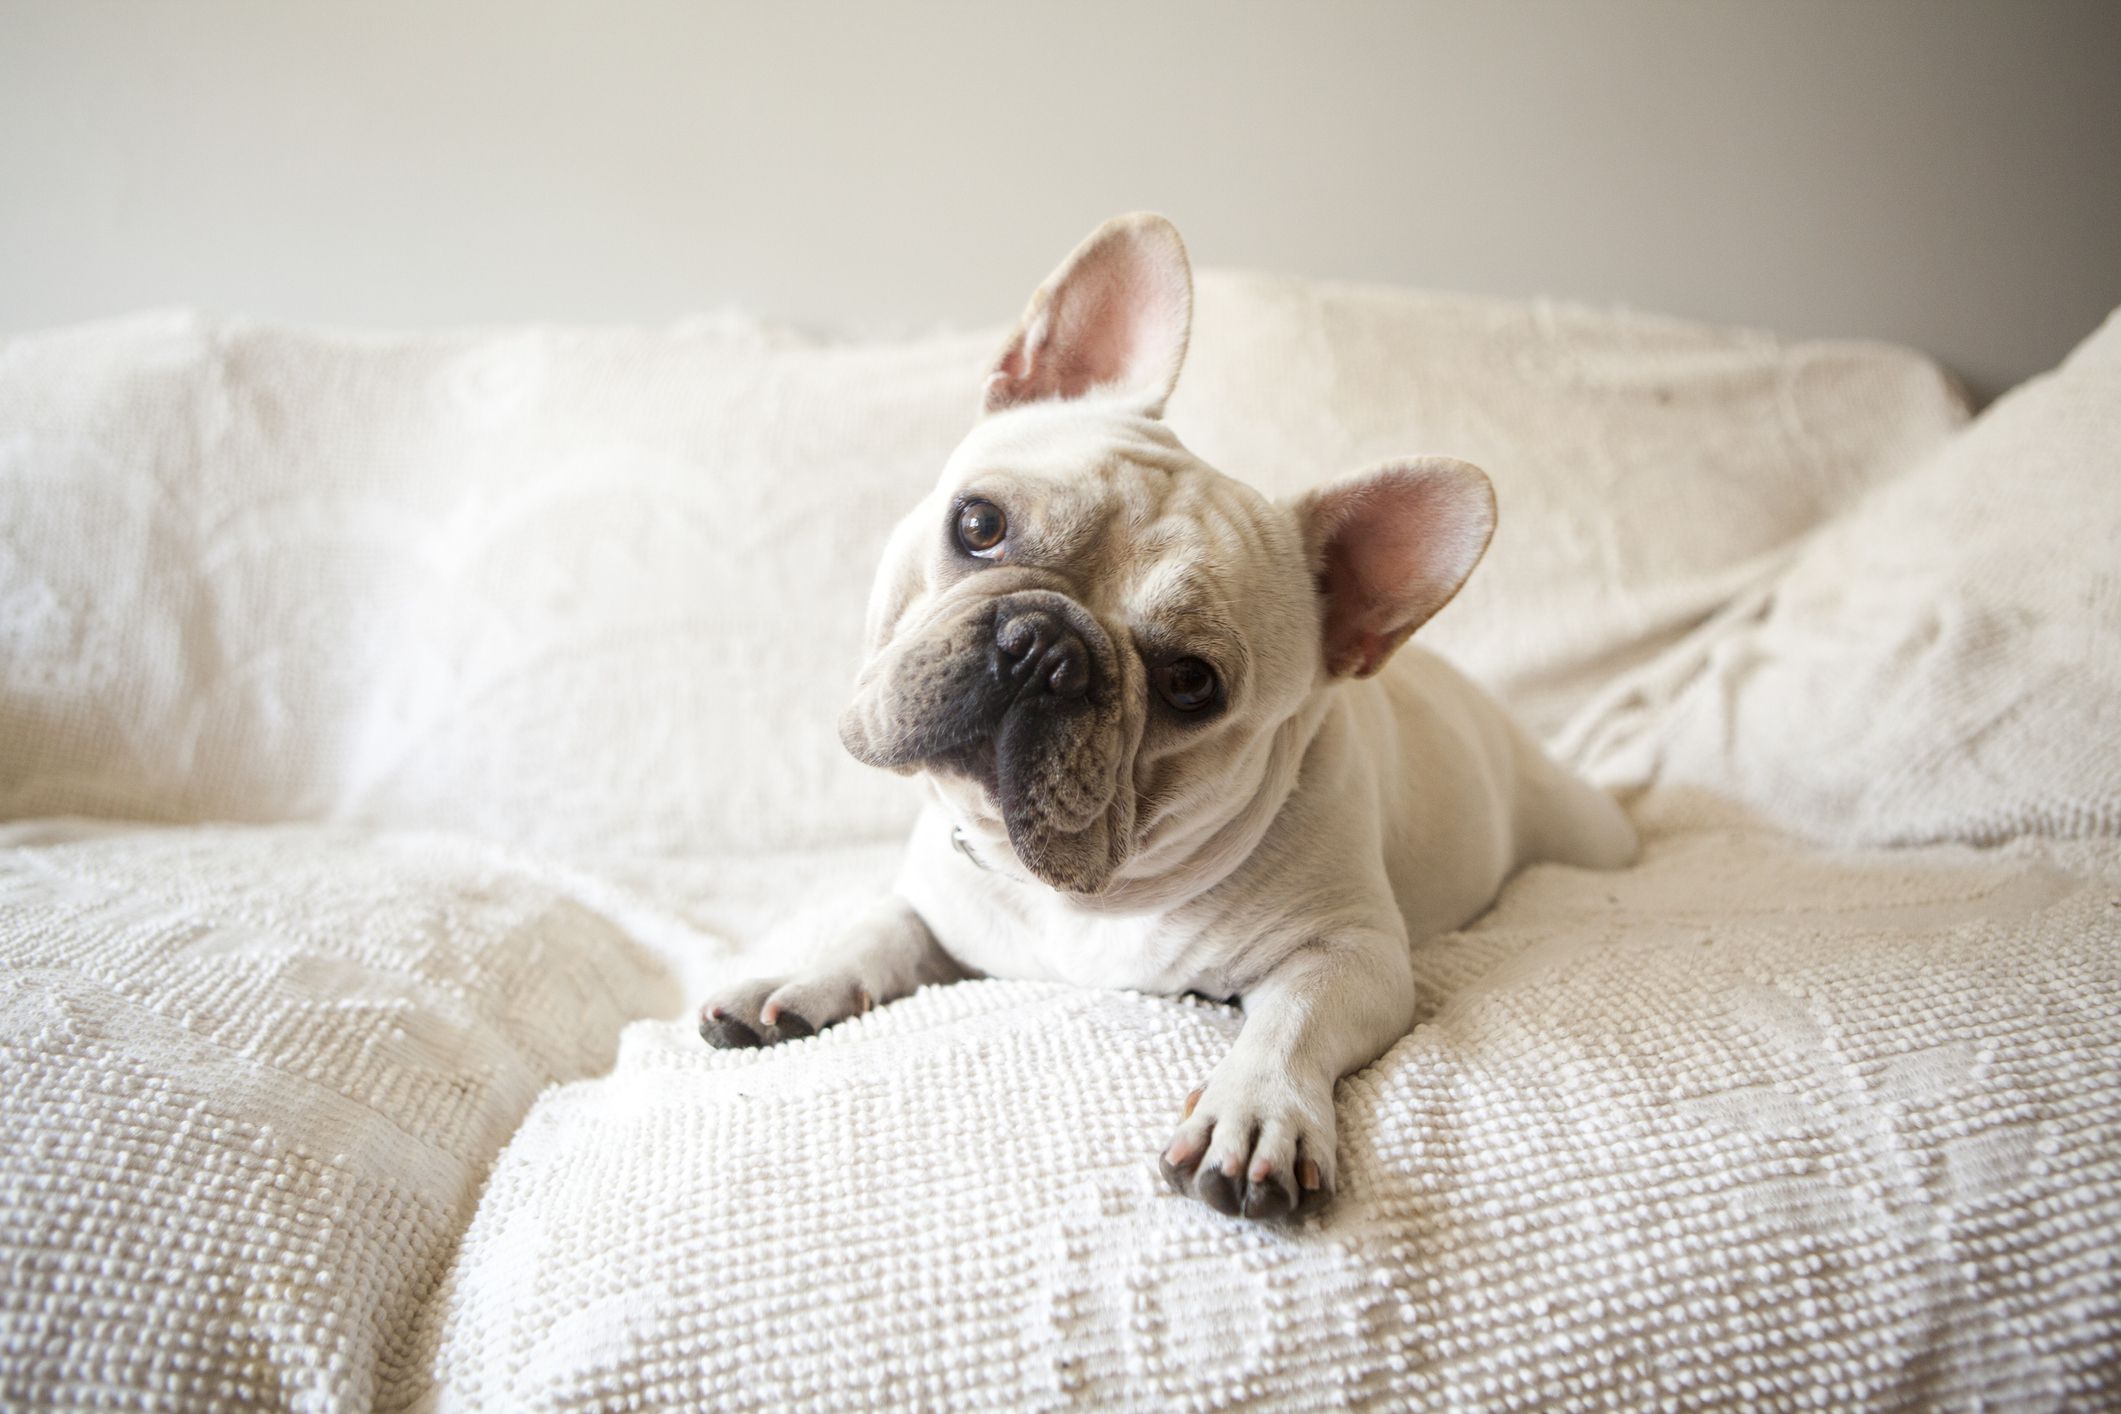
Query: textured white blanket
{"points": [[1941, 663], [399, 1109], [1745, 1125], [604, 589], [254, 1081]]}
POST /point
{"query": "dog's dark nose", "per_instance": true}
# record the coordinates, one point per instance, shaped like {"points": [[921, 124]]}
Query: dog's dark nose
{"points": [[1042, 655]]}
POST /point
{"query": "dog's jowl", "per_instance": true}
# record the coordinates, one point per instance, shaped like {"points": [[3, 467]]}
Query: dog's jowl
{"points": [[1171, 734]]}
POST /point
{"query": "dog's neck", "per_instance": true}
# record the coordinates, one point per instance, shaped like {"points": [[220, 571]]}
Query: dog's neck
{"points": [[1182, 863]]}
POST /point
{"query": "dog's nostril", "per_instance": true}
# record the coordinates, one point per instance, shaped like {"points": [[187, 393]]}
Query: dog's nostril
{"points": [[1068, 670], [1017, 637]]}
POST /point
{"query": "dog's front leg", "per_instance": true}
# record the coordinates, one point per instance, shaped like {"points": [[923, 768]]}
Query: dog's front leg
{"points": [[1258, 1139], [883, 955]]}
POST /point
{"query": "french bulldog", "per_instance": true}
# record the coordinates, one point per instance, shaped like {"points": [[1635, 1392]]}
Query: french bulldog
{"points": [[1172, 736]]}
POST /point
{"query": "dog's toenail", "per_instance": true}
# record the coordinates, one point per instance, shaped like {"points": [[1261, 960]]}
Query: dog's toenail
{"points": [[1308, 1171], [1264, 1202], [1218, 1192], [1192, 1100]]}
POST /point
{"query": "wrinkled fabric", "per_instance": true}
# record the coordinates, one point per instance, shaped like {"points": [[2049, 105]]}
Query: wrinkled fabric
{"points": [[1943, 662], [523, 649], [604, 588]]}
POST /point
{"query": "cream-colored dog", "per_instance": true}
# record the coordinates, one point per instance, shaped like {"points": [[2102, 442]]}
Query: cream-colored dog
{"points": [[1168, 742]]}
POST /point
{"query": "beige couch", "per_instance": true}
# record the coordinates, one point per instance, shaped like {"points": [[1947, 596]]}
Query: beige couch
{"points": [[398, 733]]}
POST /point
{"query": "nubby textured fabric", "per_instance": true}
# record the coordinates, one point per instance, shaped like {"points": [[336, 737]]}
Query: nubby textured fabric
{"points": [[1950, 650], [1743, 1128], [604, 589], [398, 734], [254, 1080]]}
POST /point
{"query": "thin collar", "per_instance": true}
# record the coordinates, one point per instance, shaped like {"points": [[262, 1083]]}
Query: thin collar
{"points": [[964, 846]]}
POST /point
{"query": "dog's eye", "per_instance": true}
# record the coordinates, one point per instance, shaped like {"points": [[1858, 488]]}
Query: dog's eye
{"points": [[980, 527], [1187, 684]]}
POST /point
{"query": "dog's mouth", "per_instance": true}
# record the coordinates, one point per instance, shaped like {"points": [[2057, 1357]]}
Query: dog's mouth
{"points": [[1057, 826], [1022, 698], [975, 761]]}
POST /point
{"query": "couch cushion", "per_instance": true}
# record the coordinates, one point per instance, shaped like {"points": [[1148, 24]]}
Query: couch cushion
{"points": [[254, 1079], [1742, 1127], [570, 587], [1943, 662], [603, 588], [1646, 469]]}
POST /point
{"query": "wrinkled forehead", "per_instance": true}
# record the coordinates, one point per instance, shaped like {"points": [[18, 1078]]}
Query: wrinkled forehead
{"points": [[1052, 443], [1116, 503]]}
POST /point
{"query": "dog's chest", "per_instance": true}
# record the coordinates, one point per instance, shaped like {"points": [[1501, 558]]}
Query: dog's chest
{"points": [[991, 932], [1000, 928]]}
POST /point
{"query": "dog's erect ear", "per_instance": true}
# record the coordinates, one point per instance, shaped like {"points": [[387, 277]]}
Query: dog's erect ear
{"points": [[1112, 320], [1390, 547]]}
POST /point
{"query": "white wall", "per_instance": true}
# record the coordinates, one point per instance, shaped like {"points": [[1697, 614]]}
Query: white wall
{"points": [[1945, 174]]}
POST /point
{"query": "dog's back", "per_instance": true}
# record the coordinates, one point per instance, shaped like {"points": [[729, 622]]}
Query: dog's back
{"points": [[1469, 797]]}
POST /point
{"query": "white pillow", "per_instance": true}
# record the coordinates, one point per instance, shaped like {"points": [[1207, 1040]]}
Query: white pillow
{"points": [[602, 589], [1944, 662], [591, 589], [1646, 469], [254, 1081]]}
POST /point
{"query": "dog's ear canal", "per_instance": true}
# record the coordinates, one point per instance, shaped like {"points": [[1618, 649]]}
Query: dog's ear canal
{"points": [[1390, 547], [1112, 321]]}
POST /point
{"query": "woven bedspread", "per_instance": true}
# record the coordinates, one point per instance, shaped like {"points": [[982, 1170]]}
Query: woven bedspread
{"points": [[1745, 1123], [521, 651]]}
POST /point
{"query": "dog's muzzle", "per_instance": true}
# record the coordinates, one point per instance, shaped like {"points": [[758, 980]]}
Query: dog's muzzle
{"points": [[1035, 660], [1021, 694]]}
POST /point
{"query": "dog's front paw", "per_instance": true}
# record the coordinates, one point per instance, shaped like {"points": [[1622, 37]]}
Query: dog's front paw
{"points": [[1254, 1147], [769, 1010]]}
